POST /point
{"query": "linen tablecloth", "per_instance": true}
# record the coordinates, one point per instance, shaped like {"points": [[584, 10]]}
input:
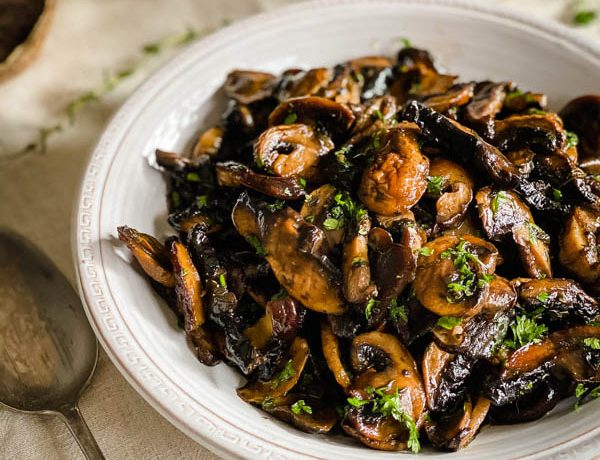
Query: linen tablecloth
{"points": [[87, 38]]}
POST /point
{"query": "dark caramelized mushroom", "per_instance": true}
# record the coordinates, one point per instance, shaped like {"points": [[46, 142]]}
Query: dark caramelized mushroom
{"points": [[150, 253], [559, 299], [316, 209], [486, 104], [456, 192], [233, 174], [579, 245], [527, 408], [300, 83], [358, 287], [395, 181], [208, 143], [582, 116], [314, 417], [310, 110], [247, 86], [281, 321], [291, 150], [455, 97]]}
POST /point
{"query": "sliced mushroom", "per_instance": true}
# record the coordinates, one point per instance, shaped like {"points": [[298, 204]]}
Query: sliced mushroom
{"points": [[558, 299], [479, 337], [247, 86], [345, 86], [316, 209], [291, 150], [356, 270], [208, 143], [282, 319], [456, 431], [456, 192], [320, 419], [332, 354], [232, 174], [579, 245], [294, 251], [456, 96], [150, 253], [485, 105], [445, 376], [374, 74], [519, 101], [300, 83], [437, 270], [310, 110], [396, 179], [582, 116], [532, 406], [188, 287], [283, 382], [204, 344]]}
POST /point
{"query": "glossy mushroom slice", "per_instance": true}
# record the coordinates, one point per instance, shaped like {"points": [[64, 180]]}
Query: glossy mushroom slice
{"points": [[374, 74], [582, 117], [310, 415], [558, 300], [486, 104], [385, 371], [232, 174], [338, 118], [452, 186], [456, 96], [247, 86], [356, 271], [455, 431], [579, 245], [317, 208], [445, 376], [344, 87], [332, 354], [479, 337], [283, 316], [453, 275], [293, 249], [518, 101], [150, 254], [291, 150], [300, 83], [531, 406], [396, 179], [208, 143], [503, 213], [284, 380], [188, 287]]}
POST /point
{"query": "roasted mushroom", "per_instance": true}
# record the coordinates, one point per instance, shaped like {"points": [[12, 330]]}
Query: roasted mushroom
{"points": [[247, 86], [309, 110], [487, 102], [582, 117], [356, 270]]}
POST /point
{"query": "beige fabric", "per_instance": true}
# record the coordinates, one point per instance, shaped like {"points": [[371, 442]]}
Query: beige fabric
{"points": [[37, 193]]}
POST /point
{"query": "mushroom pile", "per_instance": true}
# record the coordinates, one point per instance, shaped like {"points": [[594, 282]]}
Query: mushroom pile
{"points": [[385, 251]]}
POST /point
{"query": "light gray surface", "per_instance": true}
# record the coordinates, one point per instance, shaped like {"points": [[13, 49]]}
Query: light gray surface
{"points": [[88, 37]]}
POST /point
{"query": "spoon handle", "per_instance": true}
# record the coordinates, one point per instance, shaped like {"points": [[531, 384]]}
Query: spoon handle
{"points": [[72, 417]]}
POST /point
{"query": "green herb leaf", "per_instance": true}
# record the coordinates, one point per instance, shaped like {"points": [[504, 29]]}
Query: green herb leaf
{"points": [[355, 402], [286, 373], [331, 224], [192, 177], [584, 17], [449, 322], [498, 198], [202, 201], [340, 156], [525, 331], [435, 185], [572, 139], [300, 406], [398, 311], [378, 114], [543, 296], [425, 251], [175, 199], [257, 245], [223, 280], [406, 43], [290, 118], [557, 194], [302, 182], [369, 308], [592, 342], [276, 205]]}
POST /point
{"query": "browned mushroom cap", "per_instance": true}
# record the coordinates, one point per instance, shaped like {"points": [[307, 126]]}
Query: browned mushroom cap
{"points": [[320, 418], [560, 299], [247, 86], [300, 83], [310, 110], [456, 96], [331, 352], [582, 116], [188, 287], [478, 337], [280, 322], [290, 150], [396, 179], [283, 381], [519, 101], [457, 430], [445, 289], [379, 112], [485, 105], [208, 143], [356, 270], [457, 192], [344, 87], [150, 254], [579, 245], [232, 174], [172, 161], [523, 160], [564, 349], [542, 133]]}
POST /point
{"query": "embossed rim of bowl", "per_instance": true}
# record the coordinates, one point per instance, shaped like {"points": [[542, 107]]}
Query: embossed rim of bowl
{"points": [[121, 346]]}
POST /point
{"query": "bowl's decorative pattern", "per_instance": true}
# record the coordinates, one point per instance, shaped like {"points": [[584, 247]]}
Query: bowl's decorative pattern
{"points": [[190, 415]]}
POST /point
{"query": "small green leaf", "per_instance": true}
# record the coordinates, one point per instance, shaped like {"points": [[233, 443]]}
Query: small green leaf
{"points": [[449, 322], [192, 177], [223, 280], [290, 118], [557, 194], [572, 139], [435, 185], [543, 296], [331, 224], [369, 308], [286, 373], [584, 17], [406, 43], [425, 251], [592, 342], [300, 406]]}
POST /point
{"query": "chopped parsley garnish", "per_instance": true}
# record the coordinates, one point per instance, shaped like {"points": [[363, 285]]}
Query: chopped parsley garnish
{"points": [[378, 114], [267, 403], [340, 156], [465, 283], [302, 182], [425, 251], [276, 206], [498, 198], [534, 111], [223, 280], [345, 208], [449, 322], [359, 262], [525, 331], [369, 308], [290, 118], [435, 185], [256, 244], [286, 373], [287, 191], [513, 95], [584, 17], [192, 177], [582, 392], [389, 405], [202, 201], [176, 199], [332, 224], [536, 232], [398, 311], [557, 194], [406, 43], [592, 342], [300, 406], [376, 139], [572, 139], [543, 296]]}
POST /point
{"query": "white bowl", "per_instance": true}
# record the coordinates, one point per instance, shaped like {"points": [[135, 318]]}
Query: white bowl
{"points": [[138, 331]]}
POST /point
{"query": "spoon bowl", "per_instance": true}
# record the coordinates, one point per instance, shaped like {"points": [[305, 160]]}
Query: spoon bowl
{"points": [[48, 351]]}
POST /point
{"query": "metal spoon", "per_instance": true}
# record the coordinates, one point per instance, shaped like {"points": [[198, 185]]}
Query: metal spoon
{"points": [[48, 351]]}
